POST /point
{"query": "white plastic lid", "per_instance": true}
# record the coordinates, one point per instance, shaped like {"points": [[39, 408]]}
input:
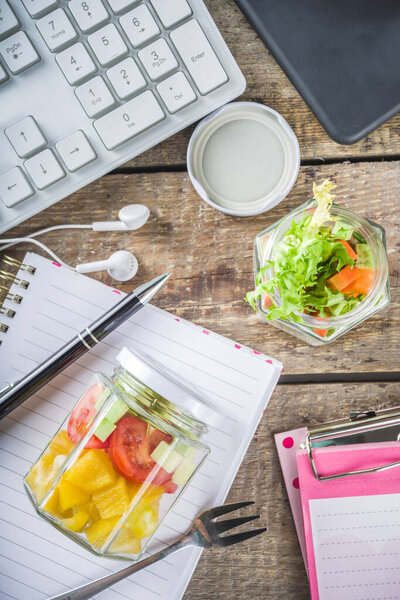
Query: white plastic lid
{"points": [[243, 159], [163, 381]]}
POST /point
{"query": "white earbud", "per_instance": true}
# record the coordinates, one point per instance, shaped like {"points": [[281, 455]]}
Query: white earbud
{"points": [[121, 265], [130, 217]]}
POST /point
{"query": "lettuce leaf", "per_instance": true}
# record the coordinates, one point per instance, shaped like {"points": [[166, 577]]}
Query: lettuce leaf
{"points": [[308, 254]]}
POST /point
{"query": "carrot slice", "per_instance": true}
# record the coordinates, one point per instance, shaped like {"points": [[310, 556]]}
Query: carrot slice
{"points": [[362, 284], [321, 332], [344, 278], [267, 302], [349, 249], [315, 313]]}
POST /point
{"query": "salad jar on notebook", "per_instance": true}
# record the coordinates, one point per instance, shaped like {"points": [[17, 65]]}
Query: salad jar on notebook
{"points": [[122, 457], [321, 270]]}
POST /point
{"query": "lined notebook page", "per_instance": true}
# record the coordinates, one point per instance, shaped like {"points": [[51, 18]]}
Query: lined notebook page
{"points": [[36, 560], [357, 547]]}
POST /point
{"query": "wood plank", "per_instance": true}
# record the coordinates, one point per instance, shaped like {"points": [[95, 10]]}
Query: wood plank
{"points": [[266, 83], [270, 566], [211, 257]]}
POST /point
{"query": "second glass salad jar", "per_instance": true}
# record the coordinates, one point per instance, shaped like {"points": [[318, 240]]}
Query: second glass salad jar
{"points": [[122, 457], [371, 247]]}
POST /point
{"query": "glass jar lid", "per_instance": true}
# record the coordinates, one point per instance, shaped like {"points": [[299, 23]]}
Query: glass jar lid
{"points": [[166, 384]]}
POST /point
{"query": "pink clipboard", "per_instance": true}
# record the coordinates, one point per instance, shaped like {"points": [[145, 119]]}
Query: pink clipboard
{"points": [[337, 459]]}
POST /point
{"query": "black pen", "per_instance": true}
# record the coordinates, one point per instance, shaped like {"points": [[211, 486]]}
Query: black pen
{"points": [[14, 394]]}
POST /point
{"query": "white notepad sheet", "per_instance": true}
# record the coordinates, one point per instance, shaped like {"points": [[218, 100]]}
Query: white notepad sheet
{"points": [[357, 547], [36, 560]]}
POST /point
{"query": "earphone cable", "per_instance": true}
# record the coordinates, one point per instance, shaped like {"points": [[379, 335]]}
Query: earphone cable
{"points": [[46, 230], [28, 240]]}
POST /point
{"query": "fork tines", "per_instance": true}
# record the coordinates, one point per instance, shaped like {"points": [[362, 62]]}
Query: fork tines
{"points": [[217, 511], [214, 528]]}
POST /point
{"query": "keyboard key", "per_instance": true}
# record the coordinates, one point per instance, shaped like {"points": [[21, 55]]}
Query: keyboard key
{"points": [[56, 29], [76, 151], [18, 52], [198, 56], [118, 6], [25, 137], [8, 20], [107, 44], [94, 96], [176, 92], [171, 11], [128, 120], [37, 7], [139, 25], [126, 78], [3, 75], [158, 59], [75, 63], [44, 169], [14, 187], [89, 14]]}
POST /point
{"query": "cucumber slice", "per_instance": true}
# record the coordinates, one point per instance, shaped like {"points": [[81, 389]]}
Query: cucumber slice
{"points": [[364, 257], [114, 413], [102, 398], [184, 471], [117, 410], [166, 457], [104, 429], [185, 450]]}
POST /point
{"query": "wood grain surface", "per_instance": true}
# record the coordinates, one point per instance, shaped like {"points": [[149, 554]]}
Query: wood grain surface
{"points": [[211, 256], [266, 83]]}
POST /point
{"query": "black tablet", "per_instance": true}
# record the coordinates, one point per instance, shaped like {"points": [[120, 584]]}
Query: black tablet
{"points": [[343, 56]]}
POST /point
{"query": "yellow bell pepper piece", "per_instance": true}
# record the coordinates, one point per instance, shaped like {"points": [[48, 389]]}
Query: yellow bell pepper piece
{"points": [[61, 444], [41, 475], [126, 543], [70, 495], [113, 500], [143, 524], [93, 471], [78, 521], [98, 533]]}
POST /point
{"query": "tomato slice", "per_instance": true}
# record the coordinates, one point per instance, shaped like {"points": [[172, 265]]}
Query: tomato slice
{"points": [[82, 416], [130, 449]]}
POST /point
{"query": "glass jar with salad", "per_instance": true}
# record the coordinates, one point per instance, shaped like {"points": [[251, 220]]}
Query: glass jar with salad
{"points": [[320, 271], [122, 457]]}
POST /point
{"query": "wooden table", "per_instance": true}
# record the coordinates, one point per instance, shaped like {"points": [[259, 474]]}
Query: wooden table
{"points": [[211, 257]]}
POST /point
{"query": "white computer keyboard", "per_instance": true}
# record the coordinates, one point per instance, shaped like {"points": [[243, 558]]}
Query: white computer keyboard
{"points": [[87, 85]]}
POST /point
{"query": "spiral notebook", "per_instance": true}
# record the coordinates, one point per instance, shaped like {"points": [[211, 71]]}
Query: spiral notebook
{"points": [[36, 560]]}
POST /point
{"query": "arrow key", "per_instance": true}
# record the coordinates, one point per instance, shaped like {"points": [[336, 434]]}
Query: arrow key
{"points": [[14, 187], [44, 169], [76, 151], [25, 137]]}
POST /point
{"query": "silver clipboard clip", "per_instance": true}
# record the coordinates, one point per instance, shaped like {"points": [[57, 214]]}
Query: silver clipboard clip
{"points": [[362, 427]]}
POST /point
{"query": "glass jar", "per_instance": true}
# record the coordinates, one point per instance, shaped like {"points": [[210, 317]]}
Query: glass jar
{"points": [[122, 457], [317, 331]]}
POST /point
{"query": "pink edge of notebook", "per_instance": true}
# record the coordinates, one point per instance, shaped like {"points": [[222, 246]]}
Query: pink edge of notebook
{"points": [[287, 445], [337, 460]]}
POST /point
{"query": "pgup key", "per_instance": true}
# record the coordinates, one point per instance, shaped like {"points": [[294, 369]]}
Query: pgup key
{"points": [[18, 52]]}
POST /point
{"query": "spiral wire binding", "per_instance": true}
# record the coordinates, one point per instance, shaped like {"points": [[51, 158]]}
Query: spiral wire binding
{"points": [[13, 262], [5, 293]]}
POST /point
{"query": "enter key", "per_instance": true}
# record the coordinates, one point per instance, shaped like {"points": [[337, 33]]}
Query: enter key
{"points": [[199, 57]]}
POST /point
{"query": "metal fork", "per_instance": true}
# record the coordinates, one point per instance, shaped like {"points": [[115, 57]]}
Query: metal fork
{"points": [[204, 532]]}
